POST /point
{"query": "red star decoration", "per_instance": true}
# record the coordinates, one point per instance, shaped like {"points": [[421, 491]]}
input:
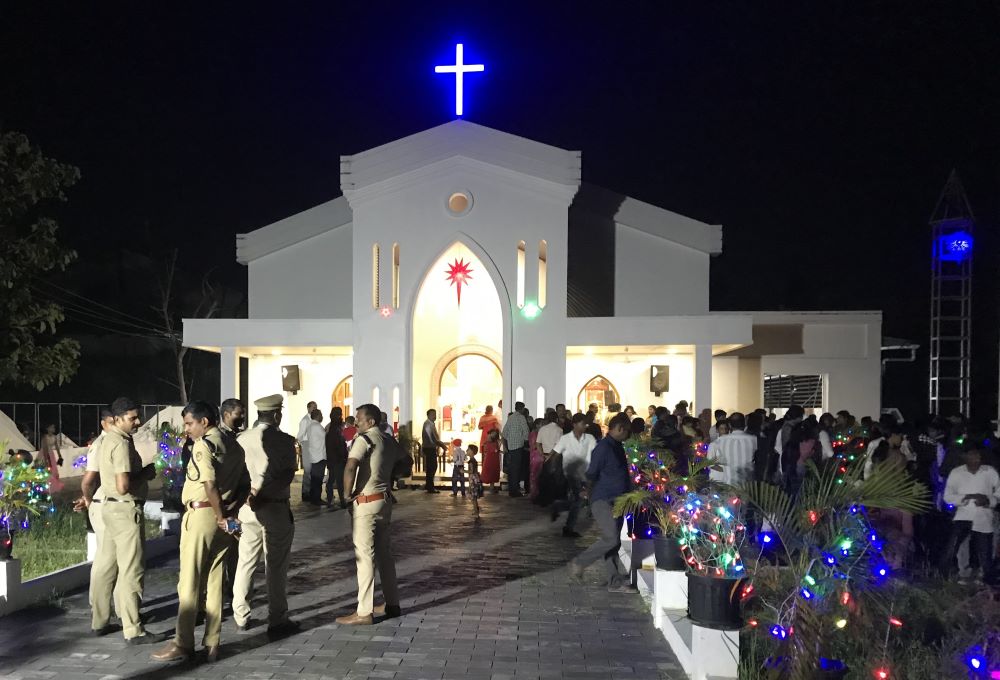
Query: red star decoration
{"points": [[459, 273]]}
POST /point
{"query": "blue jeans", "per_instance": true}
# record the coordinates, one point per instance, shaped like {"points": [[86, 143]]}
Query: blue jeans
{"points": [[457, 479]]}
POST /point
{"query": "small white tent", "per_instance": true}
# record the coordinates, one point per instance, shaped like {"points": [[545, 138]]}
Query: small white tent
{"points": [[11, 437]]}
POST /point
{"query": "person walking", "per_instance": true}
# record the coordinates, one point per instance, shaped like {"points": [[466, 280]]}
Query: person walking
{"points": [[336, 457], [118, 567], [430, 442], [515, 442], [367, 475], [575, 448], [212, 478], [266, 522], [608, 478]]}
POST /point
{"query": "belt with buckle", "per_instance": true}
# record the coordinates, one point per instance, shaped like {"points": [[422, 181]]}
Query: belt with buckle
{"points": [[110, 499], [371, 498], [195, 505]]}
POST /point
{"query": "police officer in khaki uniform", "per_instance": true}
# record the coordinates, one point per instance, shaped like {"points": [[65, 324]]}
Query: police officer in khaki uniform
{"points": [[367, 476], [124, 482], [212, 477], [266, 519], [91, 495]]}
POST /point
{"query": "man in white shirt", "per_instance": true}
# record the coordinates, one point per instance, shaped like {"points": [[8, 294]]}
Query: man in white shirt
{"points": [[550, 433], [735, 452], [974, 490], [575, 448], [314, 459]]}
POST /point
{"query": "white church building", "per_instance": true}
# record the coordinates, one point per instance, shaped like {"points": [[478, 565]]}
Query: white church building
{"points": [[463, 266]]}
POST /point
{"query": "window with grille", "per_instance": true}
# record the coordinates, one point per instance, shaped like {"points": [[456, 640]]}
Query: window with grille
{"points": [[782, 391]]}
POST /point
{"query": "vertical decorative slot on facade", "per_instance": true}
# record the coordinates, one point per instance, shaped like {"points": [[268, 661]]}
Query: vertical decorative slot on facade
{"points": [[543, 271], [395, 276], [376, 396], [520, 274], [540, 402], [375, 292], [519, 394], [394, 414]]}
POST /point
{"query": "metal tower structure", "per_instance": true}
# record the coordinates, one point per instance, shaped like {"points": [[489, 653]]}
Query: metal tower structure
{"points": [[952, 226]]}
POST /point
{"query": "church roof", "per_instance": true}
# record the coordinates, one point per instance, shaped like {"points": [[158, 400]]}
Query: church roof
{"points": [[464, 139], [291, 230]]}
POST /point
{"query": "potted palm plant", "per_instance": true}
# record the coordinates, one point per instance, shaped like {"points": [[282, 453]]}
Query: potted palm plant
{"points": [[833, 565]]}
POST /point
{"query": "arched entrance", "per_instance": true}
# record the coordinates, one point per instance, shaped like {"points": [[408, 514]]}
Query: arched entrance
{"points": [[343, 395], [457, 343], [600, 391]]}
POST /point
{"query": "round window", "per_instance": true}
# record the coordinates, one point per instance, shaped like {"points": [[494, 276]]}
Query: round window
{"points": [[459, 203]]}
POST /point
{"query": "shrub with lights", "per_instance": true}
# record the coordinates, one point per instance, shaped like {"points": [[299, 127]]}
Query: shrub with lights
{"points": [[169, 464], [657, 488], [24, 494], [833, 569]]}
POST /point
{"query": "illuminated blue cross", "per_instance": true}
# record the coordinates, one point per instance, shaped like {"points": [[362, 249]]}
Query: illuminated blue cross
{"points": [[458, 68]]}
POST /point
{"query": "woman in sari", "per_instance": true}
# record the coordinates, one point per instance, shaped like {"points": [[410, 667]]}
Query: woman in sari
{"points": [[486, 423], [537, 458], [50, 457]]}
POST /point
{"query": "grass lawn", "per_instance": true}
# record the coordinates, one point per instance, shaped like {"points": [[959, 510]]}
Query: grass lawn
{"points": [[56, 541]]}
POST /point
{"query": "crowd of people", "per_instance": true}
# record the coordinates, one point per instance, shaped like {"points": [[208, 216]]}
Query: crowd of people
{"points": [[237, 486]]}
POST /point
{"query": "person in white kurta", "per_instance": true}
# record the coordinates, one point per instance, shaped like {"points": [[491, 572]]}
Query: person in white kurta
{"points": [[734, 452], [974, 490]]}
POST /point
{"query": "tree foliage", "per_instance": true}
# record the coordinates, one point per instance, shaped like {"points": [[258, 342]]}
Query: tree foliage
{"points": [[29, 249]]}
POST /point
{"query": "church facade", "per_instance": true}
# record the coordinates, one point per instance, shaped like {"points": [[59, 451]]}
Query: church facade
{"points": [[465, 266]]}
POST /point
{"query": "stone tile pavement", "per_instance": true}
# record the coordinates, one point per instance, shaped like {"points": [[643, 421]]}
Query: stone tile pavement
{"points": [[483, 600]]}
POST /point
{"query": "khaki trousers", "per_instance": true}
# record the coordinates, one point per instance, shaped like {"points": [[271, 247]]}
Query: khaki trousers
{"points": [[97, 523], [372, 548], [119, 559], [268, 531], [203, 553]]}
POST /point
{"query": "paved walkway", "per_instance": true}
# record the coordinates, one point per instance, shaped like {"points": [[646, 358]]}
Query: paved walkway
{"points": [[487, 600]]}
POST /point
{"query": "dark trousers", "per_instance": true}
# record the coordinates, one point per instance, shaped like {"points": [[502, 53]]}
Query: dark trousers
{"points": [[316, 471], [571, 503], [335, 479], [430, 467], [515, 466], [981, 543], [457, 479]]}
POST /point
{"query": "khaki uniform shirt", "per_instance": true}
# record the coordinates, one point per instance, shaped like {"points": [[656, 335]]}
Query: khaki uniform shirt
{"points": [[117, 455], [212, 461], [270, 460], [374, 465], [94, 463]]}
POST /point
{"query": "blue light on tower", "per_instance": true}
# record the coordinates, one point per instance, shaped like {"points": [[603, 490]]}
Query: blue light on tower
{"points": [[459, 69], [955, 246]]}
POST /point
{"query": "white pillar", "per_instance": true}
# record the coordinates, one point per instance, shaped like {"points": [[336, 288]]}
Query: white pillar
{"points": [[229, 374], [702, 378]]}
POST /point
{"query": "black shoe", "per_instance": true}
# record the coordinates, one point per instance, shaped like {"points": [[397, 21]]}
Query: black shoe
{"points": [[287, 627], [245, 627], [146, 638], [555, 515], [569, 533], [103, 630]]}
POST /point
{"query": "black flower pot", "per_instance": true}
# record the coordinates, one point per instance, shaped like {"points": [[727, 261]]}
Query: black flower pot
{"points": [[668, 554], [715, 602]]}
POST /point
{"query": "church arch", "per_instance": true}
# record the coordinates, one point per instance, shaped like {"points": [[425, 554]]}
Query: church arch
{"points": [[488, 353], [343, 395], [595, 390]]}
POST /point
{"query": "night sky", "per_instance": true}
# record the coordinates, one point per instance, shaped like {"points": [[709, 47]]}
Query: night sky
{"points": [[818, 134]]}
